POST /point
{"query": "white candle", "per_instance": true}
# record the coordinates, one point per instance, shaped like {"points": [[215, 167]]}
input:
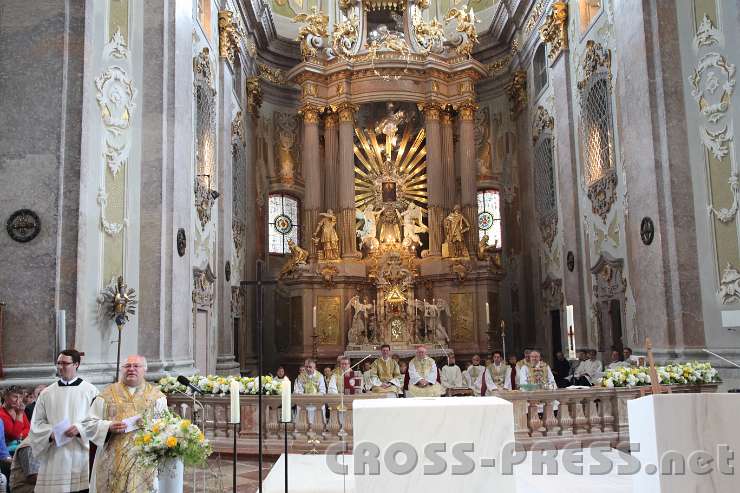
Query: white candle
{"points": [[488, 314], [285, 394], [234, 394], [570, 332], [314, 316]]}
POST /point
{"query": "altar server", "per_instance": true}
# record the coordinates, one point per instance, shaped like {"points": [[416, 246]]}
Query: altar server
{"points": [[451, 375], [62, 406], [472, 374]]}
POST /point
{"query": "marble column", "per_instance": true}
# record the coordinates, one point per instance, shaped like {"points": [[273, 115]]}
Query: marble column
{"points": [[346, 182], [311, 174], [448, 160], [247, 352], [331, 169], [468, 173], [435, 178]]}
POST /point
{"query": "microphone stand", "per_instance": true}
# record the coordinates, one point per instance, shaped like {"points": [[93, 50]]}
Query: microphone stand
{"points": [[720, 357], [341, 409]]}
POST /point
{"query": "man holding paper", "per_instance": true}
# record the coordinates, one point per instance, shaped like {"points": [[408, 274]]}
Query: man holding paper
{"points": [[113, 416], [57, 438]]}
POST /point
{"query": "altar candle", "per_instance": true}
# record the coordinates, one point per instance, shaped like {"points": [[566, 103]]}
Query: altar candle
{"points": [[234, 394], [488, 314], [570, 331], [285, 394], [314, 316]]}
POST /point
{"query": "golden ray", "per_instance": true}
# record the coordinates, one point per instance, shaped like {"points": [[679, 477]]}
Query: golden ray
{"points": [[402, 146], [412, 151]]}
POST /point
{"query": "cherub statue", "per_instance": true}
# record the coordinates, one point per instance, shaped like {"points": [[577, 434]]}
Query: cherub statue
{"points": [[298, 257], [430, 35], [412, 225], [312, 34], [465, 26], [369, 232]]}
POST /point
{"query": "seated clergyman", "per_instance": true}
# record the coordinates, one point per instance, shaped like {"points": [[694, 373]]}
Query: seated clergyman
{"points": [[343, 381], [451, 375], [384, 375], [472, 374], [423, 375], [588, 372], [496, 377], [536, 372], [310, 382]]}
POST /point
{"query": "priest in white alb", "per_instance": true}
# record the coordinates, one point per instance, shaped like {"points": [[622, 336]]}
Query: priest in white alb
{"points": [[113, 419], [423, 376], [472, 374], [343, 381], [496, 377], [384, 375], [536, 372], [61, 407], [450, 374], [310, 382]]}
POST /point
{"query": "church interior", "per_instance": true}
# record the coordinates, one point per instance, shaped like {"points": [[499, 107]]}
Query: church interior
{"points": [[229, 186]]}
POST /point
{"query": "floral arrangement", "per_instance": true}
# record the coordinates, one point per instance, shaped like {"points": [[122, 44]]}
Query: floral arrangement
{"points": [[219, 385], [170, 437], [693, 373]]}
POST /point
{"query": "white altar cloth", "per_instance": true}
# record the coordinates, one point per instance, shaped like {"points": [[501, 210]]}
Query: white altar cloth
{"points": [[483, 425], [310, 474], [689, 425]]}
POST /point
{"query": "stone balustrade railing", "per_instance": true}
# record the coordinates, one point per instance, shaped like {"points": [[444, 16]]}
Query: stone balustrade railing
{"points": [[560, 417]]}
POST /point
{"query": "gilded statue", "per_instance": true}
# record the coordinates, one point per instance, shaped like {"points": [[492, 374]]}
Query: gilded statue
{"points": [[311, 35], [298, 257], [430, 35], [390, 219], [345, 36], [325, 236], [468, 35], [455, 227]]}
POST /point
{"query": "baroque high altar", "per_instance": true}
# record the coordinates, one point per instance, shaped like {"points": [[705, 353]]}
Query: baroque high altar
{"points": [[390, 250]]}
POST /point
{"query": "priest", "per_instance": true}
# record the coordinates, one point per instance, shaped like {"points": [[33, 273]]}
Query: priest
{"points": [[63, 457], [423, 376], [496, 377], [310, 382], [536, 372], [343, 381], [113, 418], [472, 374], [384, 376], [451, 375]]}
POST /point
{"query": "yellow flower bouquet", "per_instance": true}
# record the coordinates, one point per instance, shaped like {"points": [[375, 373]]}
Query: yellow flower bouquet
{"points": [[168, 436]]}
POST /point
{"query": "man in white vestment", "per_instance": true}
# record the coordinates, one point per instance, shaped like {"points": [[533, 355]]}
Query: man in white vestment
{"points": [[64, 458], [115, 469], [423, 376], [384, 375], [310, 382], [537, 372], [588, 372], [496, 377], [343, 380], [472, 374], [451, 375]]}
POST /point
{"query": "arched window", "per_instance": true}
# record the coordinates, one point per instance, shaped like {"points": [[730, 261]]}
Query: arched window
{"points": [[539, 69], [489, 216], [283, 214], [544, 175]]}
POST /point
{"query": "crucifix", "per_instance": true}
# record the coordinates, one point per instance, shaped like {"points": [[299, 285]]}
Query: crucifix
{"points": [[655, 386], [571, 343], [503, 338]]}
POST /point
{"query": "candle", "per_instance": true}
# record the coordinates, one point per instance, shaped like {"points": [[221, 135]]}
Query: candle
{"points": [[234, 394], [285, 394], [570, 331], [488, 314], [314, 316]]}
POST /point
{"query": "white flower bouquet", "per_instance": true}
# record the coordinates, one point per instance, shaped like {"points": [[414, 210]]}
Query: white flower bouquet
{"points": [[170, 437], [219, 385], [693, 373]]}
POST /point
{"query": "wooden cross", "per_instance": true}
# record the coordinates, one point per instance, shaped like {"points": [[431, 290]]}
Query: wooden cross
{"points": [[655, 386]]}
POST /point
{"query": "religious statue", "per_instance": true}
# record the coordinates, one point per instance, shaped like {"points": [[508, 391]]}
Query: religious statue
{"points": [[325, 236], [369, 232], [388, 126], [455, 227], [358, 330], [298, 257], [484, 249], [465, 26], [312, 34], [433, 315], [412, 225], [390, 230]]}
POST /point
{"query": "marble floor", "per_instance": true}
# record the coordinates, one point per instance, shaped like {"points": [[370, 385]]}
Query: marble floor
{"points": [[217, 476]]}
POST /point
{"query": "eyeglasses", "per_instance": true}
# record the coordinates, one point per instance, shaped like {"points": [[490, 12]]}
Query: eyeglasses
{"points": [[128, 366]]}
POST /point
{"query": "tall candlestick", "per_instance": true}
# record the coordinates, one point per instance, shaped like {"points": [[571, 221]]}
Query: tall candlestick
{"points": [[488, 314], [285, 394], [314, 316], [570, 330], [234, 394]]}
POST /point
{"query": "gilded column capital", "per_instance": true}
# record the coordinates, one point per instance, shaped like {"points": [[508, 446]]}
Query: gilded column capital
{"points": [[431, 111], [555, 29], [446, 117], [254, 95], [310, 113], [331, 119], [347, 112], [467, 110], [228, 35]]}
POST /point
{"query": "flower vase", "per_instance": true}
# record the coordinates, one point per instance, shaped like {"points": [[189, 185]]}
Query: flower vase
{"points": [[170, 474]]}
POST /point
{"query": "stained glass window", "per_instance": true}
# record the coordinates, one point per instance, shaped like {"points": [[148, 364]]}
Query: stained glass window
{"points": [[282, 217], [489, 216]]}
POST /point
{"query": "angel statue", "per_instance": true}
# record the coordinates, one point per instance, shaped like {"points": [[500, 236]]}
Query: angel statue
{"points": [[298, 257], [369, 232], [358, 330], [312, 34], [466, 21], [388, 126], [412, 225], [433, 315]]}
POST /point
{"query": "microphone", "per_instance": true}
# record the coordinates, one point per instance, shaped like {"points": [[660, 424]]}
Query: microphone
{"points": [[183, 380]]}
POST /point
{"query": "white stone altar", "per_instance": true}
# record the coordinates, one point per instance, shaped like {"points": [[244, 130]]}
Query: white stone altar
{"points": [[487, 423], [686, 424]]}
